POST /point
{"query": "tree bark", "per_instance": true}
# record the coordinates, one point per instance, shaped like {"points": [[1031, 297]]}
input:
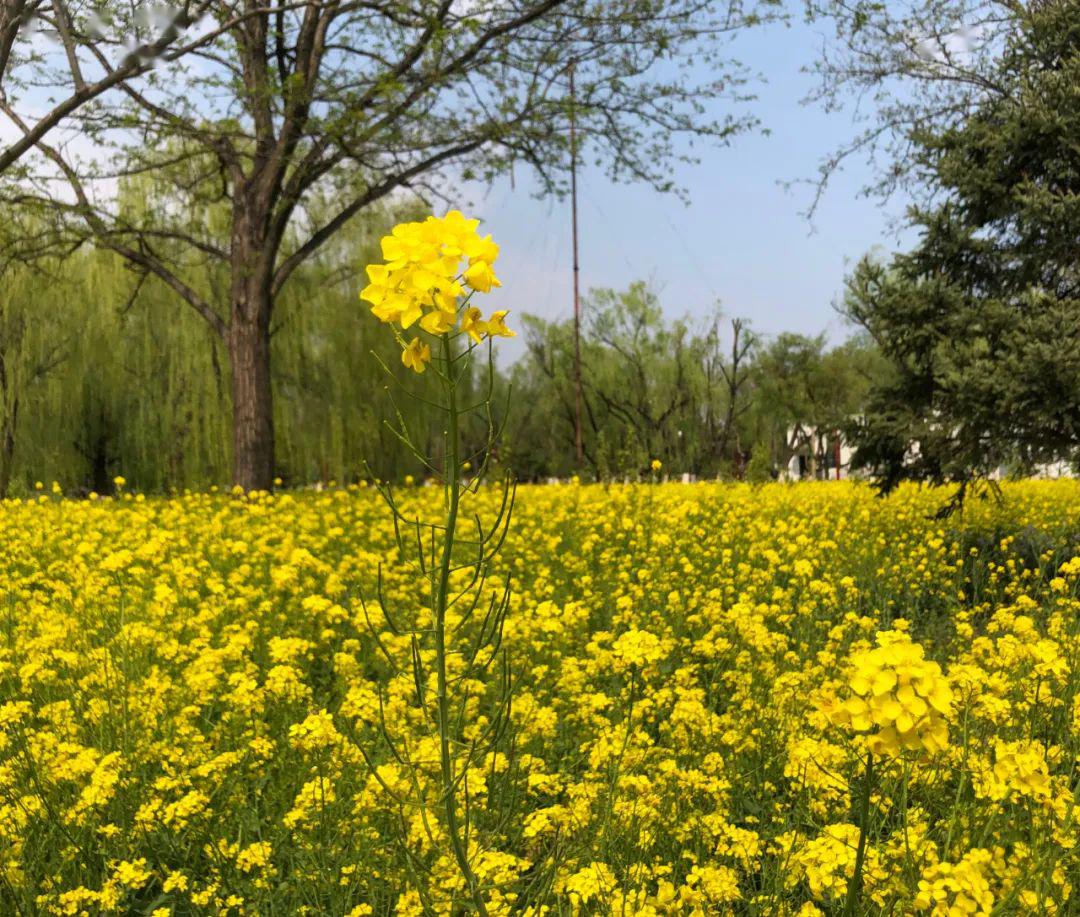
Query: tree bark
{"points": [[7, 428], [253, 405], [7, 448], [248, 340], [253, 252]]}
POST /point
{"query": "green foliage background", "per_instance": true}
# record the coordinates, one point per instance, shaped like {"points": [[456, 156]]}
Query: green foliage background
{"points": [[108, 375], [113, 377], [979, 320], [105, 372]]}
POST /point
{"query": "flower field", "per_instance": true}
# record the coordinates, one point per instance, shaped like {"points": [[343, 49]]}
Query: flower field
{"points": [[715, 699]]}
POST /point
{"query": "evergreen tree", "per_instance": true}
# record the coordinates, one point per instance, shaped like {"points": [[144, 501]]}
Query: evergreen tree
{"points": [[981, 321]]}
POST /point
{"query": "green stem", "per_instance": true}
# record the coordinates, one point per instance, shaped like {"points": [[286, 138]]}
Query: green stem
{"points": [[451, 473], [959, 788], [908, 859], [855, 886]]}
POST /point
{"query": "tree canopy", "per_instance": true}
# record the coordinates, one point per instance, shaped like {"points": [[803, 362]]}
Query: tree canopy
{"points": [[979, 321]]}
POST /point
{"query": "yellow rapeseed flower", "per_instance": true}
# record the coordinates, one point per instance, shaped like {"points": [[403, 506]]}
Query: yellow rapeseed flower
{"points": [[956, 889], [431, 269], [416, 355], [191, 683], [901, 699]]}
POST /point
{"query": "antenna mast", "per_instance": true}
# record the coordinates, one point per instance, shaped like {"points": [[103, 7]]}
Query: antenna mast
{"points": [[578, 445]]}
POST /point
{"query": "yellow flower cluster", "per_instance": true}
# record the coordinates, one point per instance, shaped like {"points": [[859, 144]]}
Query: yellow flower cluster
{"points": [[828, 863], [957, 889], [1019, 769], [903, 698], [431, 269], [189, 688], [636, 648]]}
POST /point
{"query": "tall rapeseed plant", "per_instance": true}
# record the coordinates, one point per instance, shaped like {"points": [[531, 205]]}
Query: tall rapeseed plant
{"points": [[431, 272]]}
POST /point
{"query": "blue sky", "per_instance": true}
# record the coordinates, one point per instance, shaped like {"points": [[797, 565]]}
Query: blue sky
{"points": [[742, 240]]}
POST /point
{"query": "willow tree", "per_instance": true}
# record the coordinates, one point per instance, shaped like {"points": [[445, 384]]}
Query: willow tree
{"points": [[33, 342], [358, 101], [101, 375]]}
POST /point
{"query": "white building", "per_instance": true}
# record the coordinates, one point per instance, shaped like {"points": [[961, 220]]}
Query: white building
{"points": [[823, 455]]}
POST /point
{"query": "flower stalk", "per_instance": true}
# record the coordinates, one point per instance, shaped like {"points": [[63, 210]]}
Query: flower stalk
{"points": [[854, 894], [424, 284], [440, 600]]}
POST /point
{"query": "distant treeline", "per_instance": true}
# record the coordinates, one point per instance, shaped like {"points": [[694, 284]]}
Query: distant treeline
{"points": [[710, 397], [101, 374]]}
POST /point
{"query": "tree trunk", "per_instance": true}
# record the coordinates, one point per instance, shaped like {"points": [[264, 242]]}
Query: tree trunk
{"points": [[7, 429], [252, 254], [252, 396], [7, 448]]}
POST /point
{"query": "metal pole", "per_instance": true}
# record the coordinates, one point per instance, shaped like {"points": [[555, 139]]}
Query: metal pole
{"points": [[578, 445]]}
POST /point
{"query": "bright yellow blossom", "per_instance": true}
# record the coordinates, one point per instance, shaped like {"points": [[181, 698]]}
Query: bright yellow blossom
{"points": [[899, 697], [828, 863], [957, 889], [416, 355], [496, 325], [472, 324], [431, 269], [188, 687]]}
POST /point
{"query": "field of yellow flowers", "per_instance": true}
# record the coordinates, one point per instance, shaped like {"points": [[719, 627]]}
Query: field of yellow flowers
{"points": [[201, 712]]}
